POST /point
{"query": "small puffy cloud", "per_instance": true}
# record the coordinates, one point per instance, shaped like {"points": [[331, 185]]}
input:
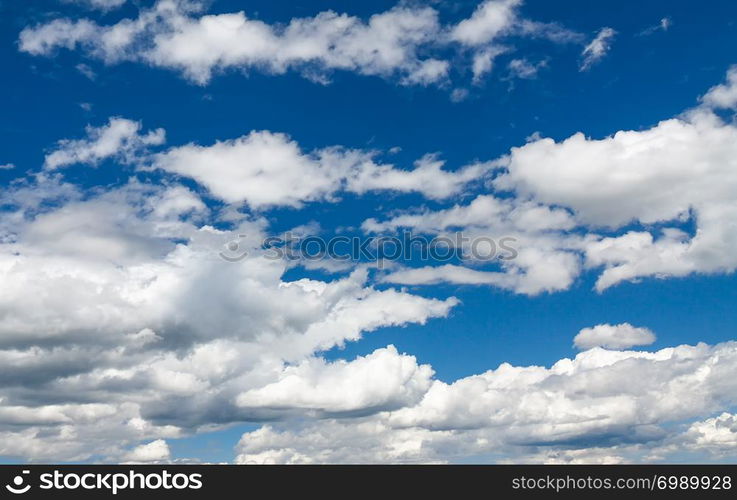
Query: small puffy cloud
{"points": [[153, 452], [724, 95], [653, 180], [120, 138], [490, 19], [382, 380], [597, 48], [524, 69], [716, 435], [533, 273], [7, 166], [406, 43], [678, 170], [459, 95], [261, 168], [622, 336], [428, 72], [483, 61]]}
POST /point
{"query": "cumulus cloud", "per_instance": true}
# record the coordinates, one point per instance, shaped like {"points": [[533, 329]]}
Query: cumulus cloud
{"points": [[622, 336], [384, 379], [397, 43], [153, 452], [121, 296], [121, 139], [716, 435], [649, 177], [725, 94], [428, 178], [263, 169], [597, 48], [490, 19], [599, 404], [483, 62]]}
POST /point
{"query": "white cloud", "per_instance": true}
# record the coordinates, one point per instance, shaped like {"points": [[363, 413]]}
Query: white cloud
{"points": [[103, 5], [153, 452], [597, 406], [59, 33], [7, 166], [264, 169], [428, 178], [459, 95], [166, 35], [597, 48], [120, 139], [428, 72], [563, 195], [268, 169], [490, 20], [723, 95], [121, 296], [679, 169], [533, 272], [716, 435], [483, 61], [398, 43], [622, 336], [384, 379], [484, 211]]}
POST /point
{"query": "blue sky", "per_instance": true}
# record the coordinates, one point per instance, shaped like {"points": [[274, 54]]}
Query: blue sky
{"points": [[661, 62]]}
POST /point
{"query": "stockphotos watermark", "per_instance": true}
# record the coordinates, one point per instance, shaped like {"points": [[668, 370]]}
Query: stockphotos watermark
{"points": [[405, 246], [113, 482]]}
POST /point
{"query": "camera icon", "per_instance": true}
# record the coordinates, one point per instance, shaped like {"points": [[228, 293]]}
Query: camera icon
{"points": [[233, 251], [17, 487]]}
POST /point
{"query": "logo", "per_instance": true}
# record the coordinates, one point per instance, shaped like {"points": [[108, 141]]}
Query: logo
{"points": [[234, 252], [17, 488]]}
